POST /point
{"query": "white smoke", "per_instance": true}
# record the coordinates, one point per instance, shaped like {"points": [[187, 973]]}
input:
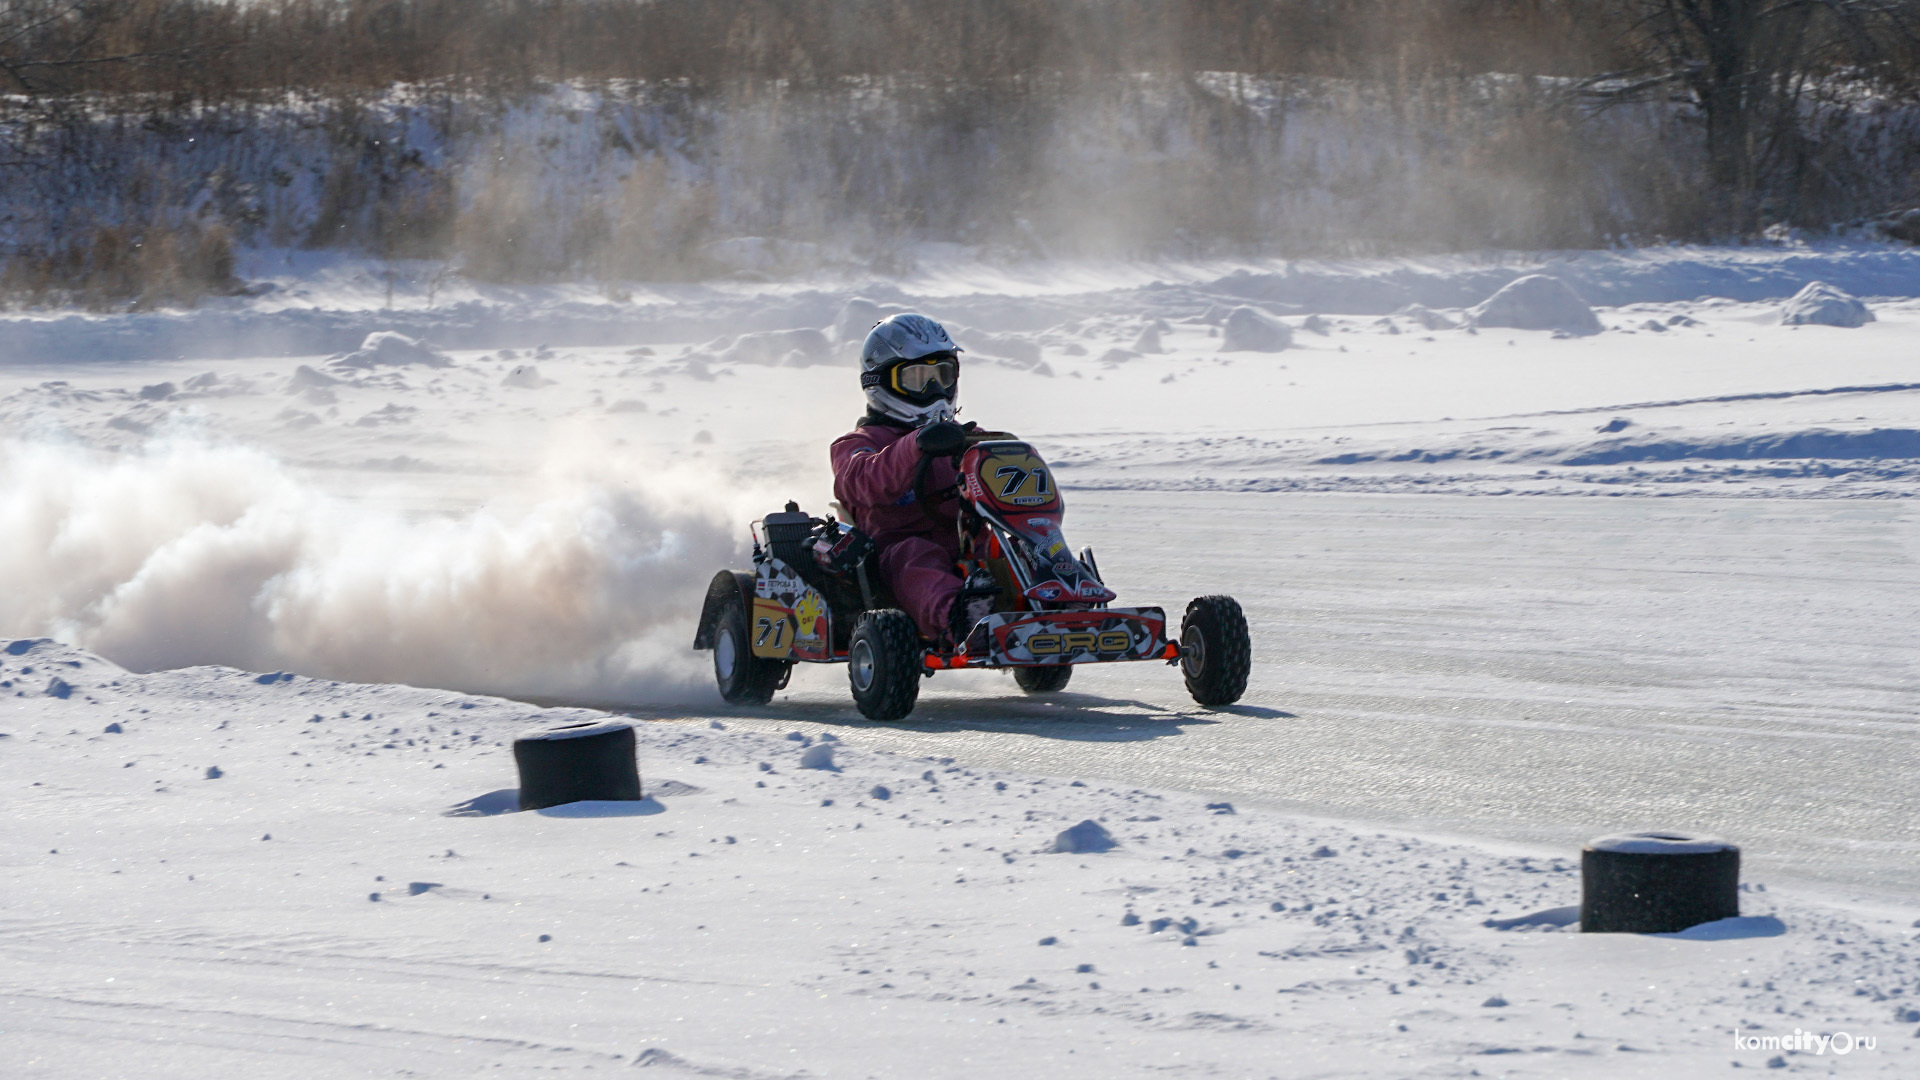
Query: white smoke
{"points": [[198, 554]]}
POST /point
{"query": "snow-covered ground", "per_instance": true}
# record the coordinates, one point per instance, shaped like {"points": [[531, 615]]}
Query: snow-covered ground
{"points": [[221, 872], [1450, 690]]}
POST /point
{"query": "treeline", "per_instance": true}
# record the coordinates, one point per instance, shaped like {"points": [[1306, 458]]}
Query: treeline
{"points": [[212, 48], [143, 142]]}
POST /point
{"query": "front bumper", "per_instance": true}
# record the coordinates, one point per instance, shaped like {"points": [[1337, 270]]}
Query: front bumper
{"points": [[1045, 638]]}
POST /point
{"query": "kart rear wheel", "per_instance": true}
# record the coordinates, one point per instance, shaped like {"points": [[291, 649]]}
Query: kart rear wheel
{"points": [[1215, 653], [1043, 680], [883, 664], [743, 678]]}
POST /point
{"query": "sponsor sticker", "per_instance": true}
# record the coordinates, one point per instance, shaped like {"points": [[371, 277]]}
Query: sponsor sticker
{"points": [[1105, 643]]}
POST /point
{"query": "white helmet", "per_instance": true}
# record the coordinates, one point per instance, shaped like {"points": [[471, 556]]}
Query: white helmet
{"points": [[910, 369]]}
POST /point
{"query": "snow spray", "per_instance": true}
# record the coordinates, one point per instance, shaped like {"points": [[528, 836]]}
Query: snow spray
{"points": [[189, 553]]}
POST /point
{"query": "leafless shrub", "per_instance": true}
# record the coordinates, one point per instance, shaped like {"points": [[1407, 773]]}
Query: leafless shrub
{"points": [[117, 265]]}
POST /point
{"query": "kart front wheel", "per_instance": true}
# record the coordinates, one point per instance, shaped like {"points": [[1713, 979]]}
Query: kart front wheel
{"points": [[1215, 653], [743, 678], [1043, 680], [883, 664]]}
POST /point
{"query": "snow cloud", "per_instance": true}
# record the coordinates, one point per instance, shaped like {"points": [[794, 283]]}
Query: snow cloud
{"points": [[198, 554]]}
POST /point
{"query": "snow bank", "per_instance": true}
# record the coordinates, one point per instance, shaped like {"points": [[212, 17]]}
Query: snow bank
{"points": [[1822, 443], [1821, 304], [193, 554], [337, 310], [1537, 302]]}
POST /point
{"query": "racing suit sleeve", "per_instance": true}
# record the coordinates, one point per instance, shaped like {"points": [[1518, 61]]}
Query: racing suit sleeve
{"points": [[868, 472]]}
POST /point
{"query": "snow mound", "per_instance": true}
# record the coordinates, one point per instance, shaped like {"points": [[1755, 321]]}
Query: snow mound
{"points": [[1023, 350], [1088, 837], [306, 378], [1732, 929], [501, 801], [1659, 843], [44, 667], [56, 656], [526, 377], [788, 348], [575, 729], [390, 348], [1536, 302], [1428, 318], [1821, 304], [1149, 340], [1252, 330], [1552, 918], [857, 316]]}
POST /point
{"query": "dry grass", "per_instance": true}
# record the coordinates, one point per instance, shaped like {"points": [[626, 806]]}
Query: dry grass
{"points": [[113, 266]]}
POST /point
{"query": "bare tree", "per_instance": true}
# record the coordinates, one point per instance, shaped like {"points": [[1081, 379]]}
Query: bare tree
{"points": [[42, 40], [1748, 67], [50, 48]]}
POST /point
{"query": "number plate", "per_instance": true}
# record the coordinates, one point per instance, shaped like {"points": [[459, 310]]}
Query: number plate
{"points": [[791, 619]]}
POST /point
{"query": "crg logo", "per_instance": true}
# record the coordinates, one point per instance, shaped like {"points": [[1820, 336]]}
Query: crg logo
{"points": [[1111, 641]]}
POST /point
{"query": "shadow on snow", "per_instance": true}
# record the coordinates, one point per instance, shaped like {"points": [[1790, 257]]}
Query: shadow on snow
{"points": [[1068, 715]]}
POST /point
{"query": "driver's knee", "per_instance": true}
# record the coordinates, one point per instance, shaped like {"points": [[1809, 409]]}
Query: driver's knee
{"points": [[924, 580]]}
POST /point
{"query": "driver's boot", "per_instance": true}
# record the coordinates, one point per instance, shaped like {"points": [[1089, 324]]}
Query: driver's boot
{"points": [[969, 610]]}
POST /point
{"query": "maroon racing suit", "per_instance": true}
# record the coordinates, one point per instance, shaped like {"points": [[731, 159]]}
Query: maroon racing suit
{"points": [[874, 467]]}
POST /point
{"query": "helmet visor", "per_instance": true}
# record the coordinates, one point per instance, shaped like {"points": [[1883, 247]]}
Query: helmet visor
{"points": [[926, 378]]}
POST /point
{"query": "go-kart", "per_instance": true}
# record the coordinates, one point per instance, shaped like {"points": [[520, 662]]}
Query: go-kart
{"points": [[815, 596]]}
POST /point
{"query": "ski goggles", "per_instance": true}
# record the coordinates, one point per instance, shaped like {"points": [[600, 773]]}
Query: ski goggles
{"points": [[918, 378]]}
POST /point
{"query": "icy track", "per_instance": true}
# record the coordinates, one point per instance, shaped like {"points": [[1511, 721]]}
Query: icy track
{"points": [[522, 493]]}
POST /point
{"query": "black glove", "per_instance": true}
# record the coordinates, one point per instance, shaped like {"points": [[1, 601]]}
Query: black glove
{"points": [[940, 438]]}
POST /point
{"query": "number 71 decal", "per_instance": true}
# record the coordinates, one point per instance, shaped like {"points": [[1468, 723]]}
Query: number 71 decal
{"points": [[1016, 479]]}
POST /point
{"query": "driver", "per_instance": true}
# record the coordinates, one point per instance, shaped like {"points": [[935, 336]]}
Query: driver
{"points": [[894, 472]]}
